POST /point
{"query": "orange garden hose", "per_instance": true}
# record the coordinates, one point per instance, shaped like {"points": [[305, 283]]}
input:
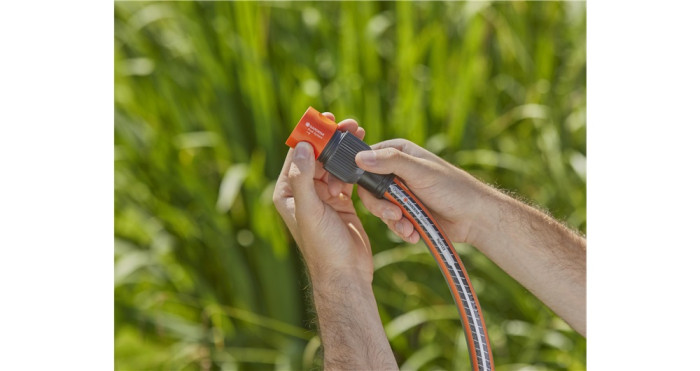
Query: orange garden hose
{"points": [[452, 269]]}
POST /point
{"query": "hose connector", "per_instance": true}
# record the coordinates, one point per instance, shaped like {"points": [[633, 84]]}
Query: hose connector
{"points": [[336, 150]]}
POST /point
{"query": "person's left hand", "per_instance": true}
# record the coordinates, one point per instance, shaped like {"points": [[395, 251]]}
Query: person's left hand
{"points": [[319, 212]]}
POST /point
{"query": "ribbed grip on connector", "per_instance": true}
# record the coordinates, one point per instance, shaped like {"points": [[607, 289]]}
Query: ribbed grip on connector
{"points": [[338, 158]]}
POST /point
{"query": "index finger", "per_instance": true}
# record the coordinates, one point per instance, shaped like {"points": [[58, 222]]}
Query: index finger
{"points": [[408, 148], [282, 183]]}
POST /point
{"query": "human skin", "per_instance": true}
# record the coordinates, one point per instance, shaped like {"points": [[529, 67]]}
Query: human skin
{"points": [[338, 257], [533, 248], [544, 256]]}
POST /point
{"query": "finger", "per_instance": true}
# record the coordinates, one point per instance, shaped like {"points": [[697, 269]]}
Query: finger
{"points": [[414, 238], [360, 133], [404, 230], [282, 186], [400, 144], [301, 179], [335, 185], [285, 167], [390, 214], [348, 125], [329, 115], [391, 160], [320, 173], [407, 147], [380, 208], [282, 193]]}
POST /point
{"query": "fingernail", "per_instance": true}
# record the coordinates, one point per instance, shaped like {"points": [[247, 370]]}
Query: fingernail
{"points": [[368, 157], [399, 229], [302, 150]]}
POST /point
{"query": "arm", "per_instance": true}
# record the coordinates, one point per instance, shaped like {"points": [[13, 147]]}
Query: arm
{"points": [[544, 256], [351, 332], [541, 254], [322, 219]]}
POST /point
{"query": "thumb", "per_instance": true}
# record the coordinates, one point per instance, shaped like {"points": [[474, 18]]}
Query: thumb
{"points": [[390, 160], [301, 179]]}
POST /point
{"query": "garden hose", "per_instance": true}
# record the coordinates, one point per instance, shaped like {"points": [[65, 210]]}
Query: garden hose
{"points": [[336, 150]]}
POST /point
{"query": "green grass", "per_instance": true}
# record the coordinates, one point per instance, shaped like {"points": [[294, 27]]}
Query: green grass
{"points": [[206, 274]]}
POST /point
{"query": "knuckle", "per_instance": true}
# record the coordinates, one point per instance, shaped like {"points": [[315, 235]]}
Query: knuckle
{"points": [[403, 144], [403, 141], [392, 153], [294, 174], [409, 146]]}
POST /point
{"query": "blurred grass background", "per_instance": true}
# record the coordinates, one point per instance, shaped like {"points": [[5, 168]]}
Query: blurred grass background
{"points": [[206, 274]]}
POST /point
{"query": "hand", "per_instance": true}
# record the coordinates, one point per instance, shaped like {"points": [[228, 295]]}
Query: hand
{"points": [[540, 253], [455, 198], [319, 212]]}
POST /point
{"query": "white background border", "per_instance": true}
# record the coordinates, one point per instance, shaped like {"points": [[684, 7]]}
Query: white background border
{"points": [[56, 184]]}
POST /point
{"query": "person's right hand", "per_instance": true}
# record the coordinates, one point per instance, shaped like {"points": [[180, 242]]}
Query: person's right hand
{"points": [[456, 199], [523, 241]]}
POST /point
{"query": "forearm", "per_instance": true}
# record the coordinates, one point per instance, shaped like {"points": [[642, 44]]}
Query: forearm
{"points": [[540, 253], [350, 328]]}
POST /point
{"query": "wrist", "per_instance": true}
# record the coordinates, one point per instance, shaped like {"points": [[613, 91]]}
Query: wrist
{"points": [[349, 324], [339, 288], [482, 212], [334, 267], [334, 279]]}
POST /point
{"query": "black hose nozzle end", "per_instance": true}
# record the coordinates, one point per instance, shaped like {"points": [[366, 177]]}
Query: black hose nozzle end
{"points": [[338, 158]]}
